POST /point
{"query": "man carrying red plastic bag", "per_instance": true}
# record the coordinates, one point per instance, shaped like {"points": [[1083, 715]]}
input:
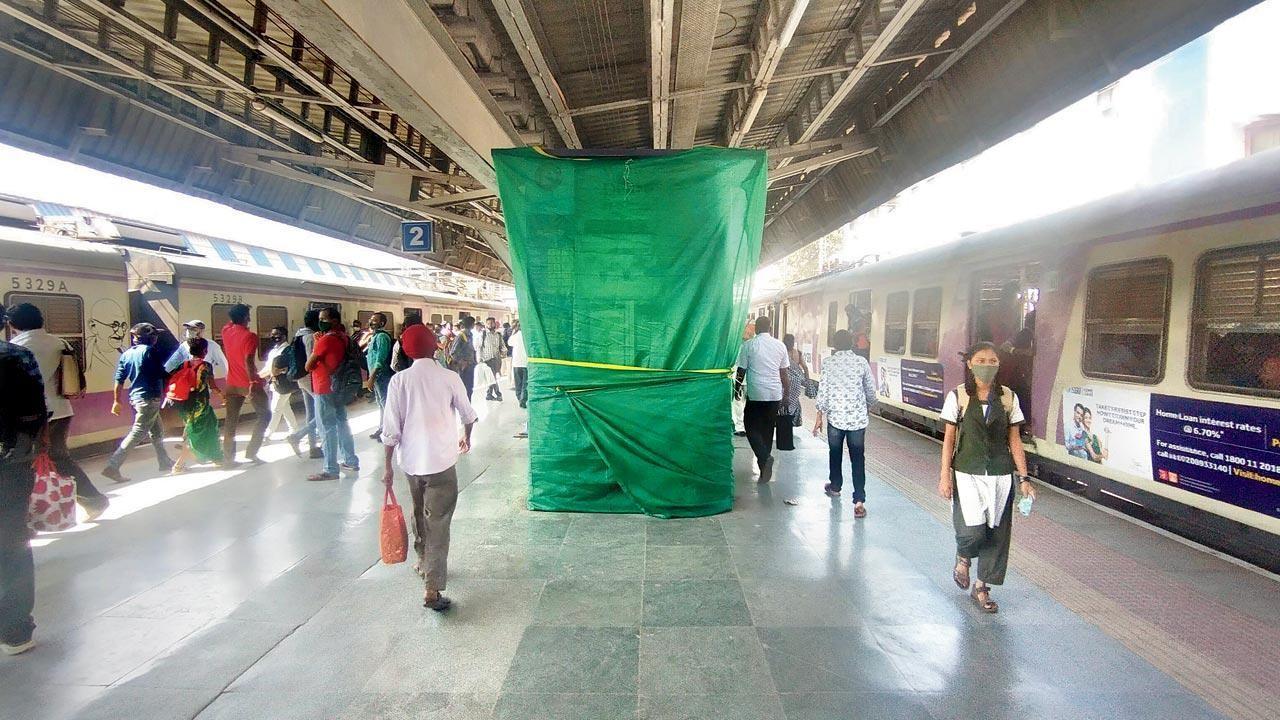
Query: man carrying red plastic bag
{"points": [[22, 417], [420, 431]]}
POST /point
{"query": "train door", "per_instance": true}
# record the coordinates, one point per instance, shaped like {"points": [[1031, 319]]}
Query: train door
{"points": [[858, 314], [1004, 313]]}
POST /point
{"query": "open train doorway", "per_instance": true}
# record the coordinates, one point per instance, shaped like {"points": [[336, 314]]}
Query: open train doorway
{"points": [[1004, 314]]}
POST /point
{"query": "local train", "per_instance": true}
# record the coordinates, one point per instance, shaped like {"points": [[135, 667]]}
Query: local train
{"points": [[1141, 333], [92, 291]]}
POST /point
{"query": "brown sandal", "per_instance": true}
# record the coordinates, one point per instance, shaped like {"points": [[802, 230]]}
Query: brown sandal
{"points": [[960, 578], [988, 605], [859, 511]]}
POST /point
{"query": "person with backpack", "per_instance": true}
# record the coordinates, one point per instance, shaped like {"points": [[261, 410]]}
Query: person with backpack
{"points": [[982, 454], [378, 358], [189, 391], [330, 366], [27, 324], [400, 360], [304, 342], [281, 387], [462, 354]]}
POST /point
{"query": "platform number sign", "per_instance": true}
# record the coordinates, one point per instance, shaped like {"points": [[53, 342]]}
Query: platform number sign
{"points": [[418, 236]]}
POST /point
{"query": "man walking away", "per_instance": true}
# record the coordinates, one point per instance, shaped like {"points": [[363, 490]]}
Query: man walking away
{"points": [[142, 366], [195, 329], [304, 342], [519, 364], [22, 418], [419, 430], [241, 346], [27, 323], [378, 357], [845, 393], [491, 354], [764, 357], [462, 356], [275, 372], [324, 366]]}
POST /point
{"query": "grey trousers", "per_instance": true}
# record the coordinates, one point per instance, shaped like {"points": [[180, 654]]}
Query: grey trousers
{"points": [[989, 545], [434, 498], [146, 421]]}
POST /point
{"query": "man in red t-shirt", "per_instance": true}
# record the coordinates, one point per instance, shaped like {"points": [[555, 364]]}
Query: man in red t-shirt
{"points": [[240, 345], [331, 412]]}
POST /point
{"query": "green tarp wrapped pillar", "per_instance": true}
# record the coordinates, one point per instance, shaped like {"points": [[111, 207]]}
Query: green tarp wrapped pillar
{"points": [[633, 277]]}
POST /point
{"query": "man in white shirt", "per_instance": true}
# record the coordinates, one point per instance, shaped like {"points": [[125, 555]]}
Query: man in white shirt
{"points": [[764, 358], [420, 431], [519, 364], [28, 322], [215, 358]]}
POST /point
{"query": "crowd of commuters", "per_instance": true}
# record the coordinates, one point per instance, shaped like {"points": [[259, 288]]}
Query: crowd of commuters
{"points": [[982, 464]]}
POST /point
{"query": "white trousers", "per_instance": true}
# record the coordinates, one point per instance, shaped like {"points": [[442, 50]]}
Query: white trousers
{"points": [[281, 409]]}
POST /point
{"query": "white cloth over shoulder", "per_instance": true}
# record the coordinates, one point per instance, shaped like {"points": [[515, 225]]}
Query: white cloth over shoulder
{"points": [[983, 497]]}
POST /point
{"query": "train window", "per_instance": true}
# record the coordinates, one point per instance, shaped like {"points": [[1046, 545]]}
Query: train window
{"points": [[896, 308], [926, 318], [448, 318], [833, 315], [1235, 321], [218, 318], [364, 315], [270, 316], [1126, 316], [436, 318], [63, 316]]}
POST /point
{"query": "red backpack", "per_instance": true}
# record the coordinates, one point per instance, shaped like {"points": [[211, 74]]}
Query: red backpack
{"points": [[182, 382]]}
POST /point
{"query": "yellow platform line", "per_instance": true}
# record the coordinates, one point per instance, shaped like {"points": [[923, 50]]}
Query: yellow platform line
{"points": [[627, 368]]}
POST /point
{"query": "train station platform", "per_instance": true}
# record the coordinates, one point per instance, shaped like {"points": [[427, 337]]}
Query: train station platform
{"points": [[251, 593]]}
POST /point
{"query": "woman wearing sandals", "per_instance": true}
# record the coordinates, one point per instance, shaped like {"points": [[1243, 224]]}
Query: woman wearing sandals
{"points": [[981, 454], [200, 424]]}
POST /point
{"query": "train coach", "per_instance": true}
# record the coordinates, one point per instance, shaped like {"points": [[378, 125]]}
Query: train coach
{"points": [[92, 291], [1140, 332]]}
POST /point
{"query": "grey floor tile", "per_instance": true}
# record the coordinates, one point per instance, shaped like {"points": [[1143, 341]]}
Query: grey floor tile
{"points": [[296, 662], [575, 660], [752, 531], [503, 562], [669, 603], [826, 659], [778, 561], [745, 706], [210, 658], [801, 603], [449, 659], [417, 706], [947, 658], [604, 562], [208, 594], [684, 531], [598, 530], [590, 603], [841, 705], [30, 700], [702, 661], [686, 562], [484, 603], [565, 706], [277, 704], [144, 702]]}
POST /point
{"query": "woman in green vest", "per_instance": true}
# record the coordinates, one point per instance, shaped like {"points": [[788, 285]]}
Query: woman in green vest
{"points": [[981, 455]]}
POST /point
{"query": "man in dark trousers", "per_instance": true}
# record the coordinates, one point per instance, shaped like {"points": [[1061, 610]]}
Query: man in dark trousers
{"points": [[764, 358], [142, 367], [243, 382], [22, 418]]}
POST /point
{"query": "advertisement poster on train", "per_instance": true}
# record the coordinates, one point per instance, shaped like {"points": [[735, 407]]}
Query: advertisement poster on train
{"points": [[1220, 450], [1108, 426], [889, 378], [922, 384], [910, 381]]}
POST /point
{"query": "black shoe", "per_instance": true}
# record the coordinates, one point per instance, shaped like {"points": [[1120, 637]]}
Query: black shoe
{"points": [[255, 460], [316, 454], [440, 604], [740, 433], [376, 436], [766, 471], [831, 490], [349, 468], [114, 474], [165, 469], [93, 509], [20, 642]]}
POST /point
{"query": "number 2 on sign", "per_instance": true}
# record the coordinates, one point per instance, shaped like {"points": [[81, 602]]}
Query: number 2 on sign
{"points": [[415, 237]]}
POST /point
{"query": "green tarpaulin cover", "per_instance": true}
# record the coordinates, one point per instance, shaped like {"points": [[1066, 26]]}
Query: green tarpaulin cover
{"points": [[642, 265]]}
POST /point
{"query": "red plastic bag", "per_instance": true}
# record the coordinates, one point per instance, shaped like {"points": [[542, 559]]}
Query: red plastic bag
{"points": [[52, 507], [395, 536]]}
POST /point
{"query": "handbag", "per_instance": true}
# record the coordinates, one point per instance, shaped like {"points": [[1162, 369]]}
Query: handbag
{"points": [[810, 388], [52, 507], [394, 535]]}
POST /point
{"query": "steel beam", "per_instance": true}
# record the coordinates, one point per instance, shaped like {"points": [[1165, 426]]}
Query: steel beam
{"points": [[400, 51], [694, 42], [822, 161], [771, 37], [661, 25], [521, 28]]}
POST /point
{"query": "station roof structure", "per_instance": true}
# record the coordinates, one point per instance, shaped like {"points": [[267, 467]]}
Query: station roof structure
{"points": [[348, 116]]}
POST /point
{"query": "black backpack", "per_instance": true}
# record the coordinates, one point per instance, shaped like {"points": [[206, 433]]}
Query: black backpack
{"points": [[349, 377], [296, 357], [282, 383]]}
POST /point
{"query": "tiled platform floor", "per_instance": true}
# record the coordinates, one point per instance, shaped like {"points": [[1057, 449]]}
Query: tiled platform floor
{"points": [[254, 594]]}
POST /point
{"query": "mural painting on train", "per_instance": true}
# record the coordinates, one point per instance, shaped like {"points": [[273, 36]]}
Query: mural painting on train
{"points": [[1220, 450], [1108, 426], [913, 382]]}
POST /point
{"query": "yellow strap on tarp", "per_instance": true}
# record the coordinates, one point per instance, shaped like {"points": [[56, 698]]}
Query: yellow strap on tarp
{"points": [[606, 366]]}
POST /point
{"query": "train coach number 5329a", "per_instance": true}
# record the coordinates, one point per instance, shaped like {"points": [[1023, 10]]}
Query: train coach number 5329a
{"points": [[225, 298], [38, 284]]}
